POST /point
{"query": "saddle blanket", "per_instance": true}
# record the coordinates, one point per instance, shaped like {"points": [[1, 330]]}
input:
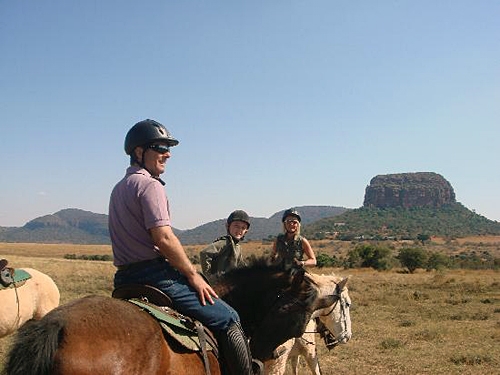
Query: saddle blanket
{"points": [[177, 326], [10, 277]]}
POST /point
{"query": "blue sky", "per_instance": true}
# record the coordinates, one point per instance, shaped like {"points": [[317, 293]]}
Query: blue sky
{"points": [[275, 103]]}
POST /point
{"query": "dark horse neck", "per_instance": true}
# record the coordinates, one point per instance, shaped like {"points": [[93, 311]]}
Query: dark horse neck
{"points": [[268, 300]]}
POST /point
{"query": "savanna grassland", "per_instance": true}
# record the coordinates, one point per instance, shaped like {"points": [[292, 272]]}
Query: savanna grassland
{"points": [[445, 322]]}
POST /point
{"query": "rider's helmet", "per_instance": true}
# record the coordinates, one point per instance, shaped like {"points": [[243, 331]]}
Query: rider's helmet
{"points": [[146, 132], [238, 215], [291, 212]]}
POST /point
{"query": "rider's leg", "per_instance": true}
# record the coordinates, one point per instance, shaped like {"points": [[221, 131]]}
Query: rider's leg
{"points": [[220, 318], [236, 351]]}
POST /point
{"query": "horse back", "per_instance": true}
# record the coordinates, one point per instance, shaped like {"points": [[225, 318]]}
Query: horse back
{"points": [[97, 327], [44, 292], [98, 335]]}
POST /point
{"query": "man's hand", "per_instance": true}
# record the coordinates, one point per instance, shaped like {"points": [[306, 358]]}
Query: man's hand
{"points": [[205, 291], [171, 248]]}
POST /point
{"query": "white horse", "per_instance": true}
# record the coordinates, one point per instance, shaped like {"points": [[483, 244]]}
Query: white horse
{"points": [[29, 300], [335, 322]]}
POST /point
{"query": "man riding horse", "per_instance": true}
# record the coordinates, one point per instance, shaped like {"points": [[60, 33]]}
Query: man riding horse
{"points": [[146, 250]]}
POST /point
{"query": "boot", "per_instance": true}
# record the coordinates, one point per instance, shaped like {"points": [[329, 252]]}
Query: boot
{"points": [[236, 356]]}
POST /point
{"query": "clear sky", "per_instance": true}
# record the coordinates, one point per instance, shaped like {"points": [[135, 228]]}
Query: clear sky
{"points": [[275, 103]]}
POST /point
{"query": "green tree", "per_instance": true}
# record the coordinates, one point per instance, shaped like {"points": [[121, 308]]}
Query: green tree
{"points": [[324, 260], [422, 237], [369, 255], [413, 258], [437, 261]]}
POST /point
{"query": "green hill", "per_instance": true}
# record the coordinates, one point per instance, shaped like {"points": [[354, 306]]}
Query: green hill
{"points": [[450, 220], [85, 227], [66, 226]]}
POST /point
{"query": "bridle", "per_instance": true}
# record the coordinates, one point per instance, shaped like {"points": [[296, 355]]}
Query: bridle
{"points": [[326, 335]]}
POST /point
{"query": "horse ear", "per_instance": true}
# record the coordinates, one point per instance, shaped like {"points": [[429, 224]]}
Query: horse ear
{"points": [[343, 283]]}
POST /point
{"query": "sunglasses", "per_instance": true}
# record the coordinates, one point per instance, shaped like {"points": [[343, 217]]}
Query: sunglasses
{"points": [[161, 149], [291, 221]]}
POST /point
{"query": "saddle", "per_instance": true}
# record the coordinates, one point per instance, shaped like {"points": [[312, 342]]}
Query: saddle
{"points": [[187, 332], [10, 277]]}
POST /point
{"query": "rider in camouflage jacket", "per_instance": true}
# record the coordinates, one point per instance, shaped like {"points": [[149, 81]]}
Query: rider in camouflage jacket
{"points": [[225, 252]]}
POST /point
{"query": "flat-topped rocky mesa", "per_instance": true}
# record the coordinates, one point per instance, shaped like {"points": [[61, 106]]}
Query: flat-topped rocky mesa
{"points": [[420, 189]]}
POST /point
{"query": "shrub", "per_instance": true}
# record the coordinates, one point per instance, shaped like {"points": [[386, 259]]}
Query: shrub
{"points": [[413, 258], [437, 261], [470, 359], [423, 237], [324, 260], [390, 344], [368, 255]]}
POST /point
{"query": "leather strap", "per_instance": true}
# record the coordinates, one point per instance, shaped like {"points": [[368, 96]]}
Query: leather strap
{"points": [[203, 346]]}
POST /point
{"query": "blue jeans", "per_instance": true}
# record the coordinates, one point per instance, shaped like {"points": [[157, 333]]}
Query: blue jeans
{"points": [[217, 317]]}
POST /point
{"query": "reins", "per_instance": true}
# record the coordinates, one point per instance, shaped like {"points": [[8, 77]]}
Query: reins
{"points": [[325, 333], [11, 282]]}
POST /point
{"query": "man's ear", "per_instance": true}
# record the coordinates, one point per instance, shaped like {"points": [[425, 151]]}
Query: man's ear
{"points": [[138, 152]]}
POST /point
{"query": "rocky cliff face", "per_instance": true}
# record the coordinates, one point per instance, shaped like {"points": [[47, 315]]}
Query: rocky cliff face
{"points": [[421, 189]]}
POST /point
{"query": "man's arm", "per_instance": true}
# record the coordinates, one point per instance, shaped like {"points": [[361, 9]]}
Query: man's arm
{"points": [[171, 248]]}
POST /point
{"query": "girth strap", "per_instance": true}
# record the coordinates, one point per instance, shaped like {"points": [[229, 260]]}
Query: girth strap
{"points": [[203, 346]]}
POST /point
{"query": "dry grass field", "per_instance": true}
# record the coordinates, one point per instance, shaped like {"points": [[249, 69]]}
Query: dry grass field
{"points": [[424, 323]]}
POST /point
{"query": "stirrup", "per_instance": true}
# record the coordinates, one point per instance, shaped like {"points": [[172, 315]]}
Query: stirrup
{"points": [[257, 367]]}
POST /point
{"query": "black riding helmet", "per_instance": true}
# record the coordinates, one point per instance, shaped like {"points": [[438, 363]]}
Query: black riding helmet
{"points": [[147, 132], [291, 212], [143, 134], [238, 215]]}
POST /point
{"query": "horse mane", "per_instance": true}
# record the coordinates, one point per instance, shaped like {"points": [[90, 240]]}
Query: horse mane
{"points": [[253, 264], [253, 290], [250, 269], [259, 270]]}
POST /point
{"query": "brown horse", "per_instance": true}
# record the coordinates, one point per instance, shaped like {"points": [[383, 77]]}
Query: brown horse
{"points": [[102, 335]]}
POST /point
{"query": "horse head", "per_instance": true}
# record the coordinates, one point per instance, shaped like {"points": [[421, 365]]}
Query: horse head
{"points": [[276, 305], [333, 318], [288, 315]]}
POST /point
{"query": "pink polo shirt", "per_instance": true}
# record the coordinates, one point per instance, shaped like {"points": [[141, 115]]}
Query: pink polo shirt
{"points": [[138, 203]]}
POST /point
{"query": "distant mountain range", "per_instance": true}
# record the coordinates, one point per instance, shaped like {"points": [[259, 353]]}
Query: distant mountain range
{"points": [[66, 226], [84, 227], [397, 206]]}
